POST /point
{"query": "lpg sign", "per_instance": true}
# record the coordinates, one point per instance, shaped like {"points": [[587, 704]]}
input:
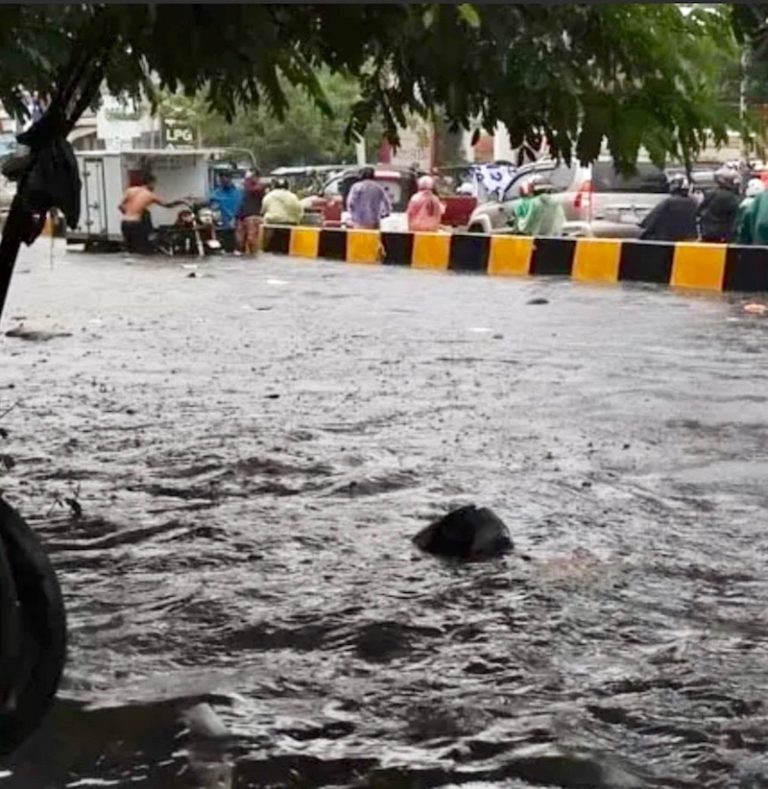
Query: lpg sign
{"points": [[178, 134]]}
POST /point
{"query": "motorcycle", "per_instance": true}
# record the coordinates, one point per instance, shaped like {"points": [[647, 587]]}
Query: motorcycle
{"points": [[193, 232]]}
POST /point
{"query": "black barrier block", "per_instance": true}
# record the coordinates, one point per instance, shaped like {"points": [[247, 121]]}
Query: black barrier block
{"points": [[553, 256], [646, 262], [469, 253], [277, 240], [746, 269], [332, 245], [398, 248]]}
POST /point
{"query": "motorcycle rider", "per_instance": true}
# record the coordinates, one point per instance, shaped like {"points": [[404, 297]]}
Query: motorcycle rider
{"points": [[718, 210], [674, 218], [545, 216]]}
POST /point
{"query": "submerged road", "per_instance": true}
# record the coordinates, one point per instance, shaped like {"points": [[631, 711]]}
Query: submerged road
{"points": [[252, 449]]}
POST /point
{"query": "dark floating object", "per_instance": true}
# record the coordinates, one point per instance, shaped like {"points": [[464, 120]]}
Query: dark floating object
{"points": [[537, 302], [466, 533], [35, 336]]}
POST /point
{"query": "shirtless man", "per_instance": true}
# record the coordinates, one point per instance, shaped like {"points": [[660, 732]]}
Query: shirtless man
{"points": [[137, 224]]}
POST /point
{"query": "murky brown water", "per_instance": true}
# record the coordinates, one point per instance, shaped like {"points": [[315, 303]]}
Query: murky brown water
{"points": [[253, 449]]}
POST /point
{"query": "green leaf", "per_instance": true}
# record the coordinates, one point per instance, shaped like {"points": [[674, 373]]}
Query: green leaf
{"points": [[469, 14]]}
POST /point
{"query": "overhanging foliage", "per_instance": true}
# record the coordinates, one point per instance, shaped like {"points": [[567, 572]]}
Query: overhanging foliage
{"points": [[631, 75]]}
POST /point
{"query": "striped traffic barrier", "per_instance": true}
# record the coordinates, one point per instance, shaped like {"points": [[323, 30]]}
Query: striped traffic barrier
{"points": [[714, 267]]}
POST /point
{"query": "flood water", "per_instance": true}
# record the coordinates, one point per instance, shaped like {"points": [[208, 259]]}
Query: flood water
{"points": [[252, 449]]}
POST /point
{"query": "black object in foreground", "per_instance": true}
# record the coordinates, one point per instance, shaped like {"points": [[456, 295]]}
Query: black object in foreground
{"points": [[466, 533], [33, 631]]}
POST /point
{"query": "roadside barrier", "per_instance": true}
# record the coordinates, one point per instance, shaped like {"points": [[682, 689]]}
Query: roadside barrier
{"points": [[714, 267]]}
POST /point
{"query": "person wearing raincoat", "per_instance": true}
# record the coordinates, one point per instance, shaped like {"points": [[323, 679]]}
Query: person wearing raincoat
{"points": [[522, 206], [545, 216], [674, 218], [753, 221], [425, 208], [717, 213], [755, 187]]}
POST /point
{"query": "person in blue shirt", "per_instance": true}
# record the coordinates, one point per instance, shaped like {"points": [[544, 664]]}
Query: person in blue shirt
{"points": [[228, 197]]}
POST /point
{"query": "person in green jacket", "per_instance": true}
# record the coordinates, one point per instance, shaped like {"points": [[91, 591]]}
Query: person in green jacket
{"points": [[280, 206], [522, 206], [745, 218], [545, 216], [752, 227]]}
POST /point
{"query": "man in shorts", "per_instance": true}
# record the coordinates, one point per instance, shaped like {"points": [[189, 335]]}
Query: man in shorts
{"points": [[137, 223]]}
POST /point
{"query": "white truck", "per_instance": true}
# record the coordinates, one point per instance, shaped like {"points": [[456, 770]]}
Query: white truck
{"points": [[105, 176]]}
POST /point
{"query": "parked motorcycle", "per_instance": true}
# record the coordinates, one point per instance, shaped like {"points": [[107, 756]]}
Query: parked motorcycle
{"points": [[193, 232]]}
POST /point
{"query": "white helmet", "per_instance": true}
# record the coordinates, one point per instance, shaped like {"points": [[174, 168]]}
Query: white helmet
{"points": [[754, 187], [679, 184], [533, 185], [726, 177]]}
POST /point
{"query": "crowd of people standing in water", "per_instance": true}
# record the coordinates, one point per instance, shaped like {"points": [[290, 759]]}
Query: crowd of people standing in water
{"points": [[731, 213], [246, 208], [241, 208]]}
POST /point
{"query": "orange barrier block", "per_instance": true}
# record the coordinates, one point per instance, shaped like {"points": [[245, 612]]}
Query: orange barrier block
{"points": [[699, 266], [431, 251], [510, 255], [363, 246], [597, 260], [304, 242]]}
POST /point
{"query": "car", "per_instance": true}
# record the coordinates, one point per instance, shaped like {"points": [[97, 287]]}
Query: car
{"points": [[307, 180], [327, 207], [597, 201]]}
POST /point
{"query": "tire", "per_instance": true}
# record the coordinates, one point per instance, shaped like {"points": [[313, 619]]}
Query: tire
{"points": [[41, 638], [475, 228]]}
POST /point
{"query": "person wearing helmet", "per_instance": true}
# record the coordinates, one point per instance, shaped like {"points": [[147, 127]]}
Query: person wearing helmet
{"points": [[545, 216], [752, 223], [674, 218], [718, 210], [280, 205], [425, 208]]}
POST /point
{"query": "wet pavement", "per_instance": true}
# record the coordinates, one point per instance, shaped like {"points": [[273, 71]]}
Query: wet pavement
{"points": [[253, 448]]}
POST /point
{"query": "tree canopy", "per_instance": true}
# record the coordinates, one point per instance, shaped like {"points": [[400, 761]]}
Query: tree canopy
{"points": [[627, 75], [304, 136]]}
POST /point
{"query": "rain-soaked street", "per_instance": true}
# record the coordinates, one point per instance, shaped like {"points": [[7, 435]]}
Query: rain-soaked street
{"points": [[252, 449]]}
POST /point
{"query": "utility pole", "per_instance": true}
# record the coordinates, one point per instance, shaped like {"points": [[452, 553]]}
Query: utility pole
{"points": [[743, 100]]}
